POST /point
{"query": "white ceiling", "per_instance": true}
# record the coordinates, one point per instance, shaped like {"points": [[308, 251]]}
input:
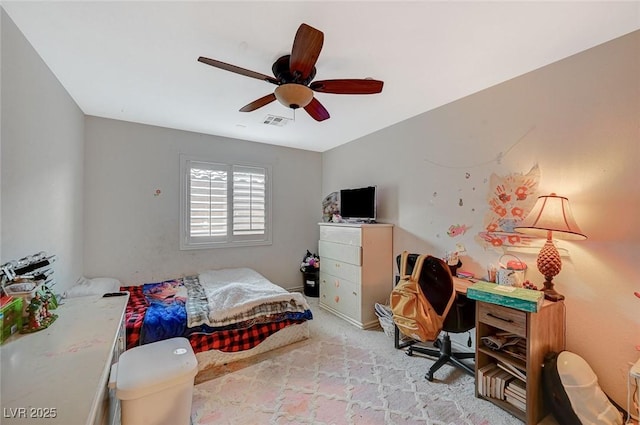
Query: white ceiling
{"points": [[137, 61]]}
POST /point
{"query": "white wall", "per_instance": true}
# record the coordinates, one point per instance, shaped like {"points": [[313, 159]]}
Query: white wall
{"points": [[579, 120], [133, 235], [42, 161]]}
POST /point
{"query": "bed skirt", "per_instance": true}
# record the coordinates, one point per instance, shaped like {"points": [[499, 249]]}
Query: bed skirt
{"points": [[289, 335]]}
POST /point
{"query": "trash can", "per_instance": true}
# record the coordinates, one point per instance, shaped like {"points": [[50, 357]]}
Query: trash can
{"points": [[311, 281], [155, 383], [310, 268]]}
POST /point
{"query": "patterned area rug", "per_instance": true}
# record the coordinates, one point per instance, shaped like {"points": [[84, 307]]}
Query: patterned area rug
{"points": [[340, 375]]}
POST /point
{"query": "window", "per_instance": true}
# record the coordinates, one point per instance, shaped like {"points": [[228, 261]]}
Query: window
{"points": [[224, 204]]}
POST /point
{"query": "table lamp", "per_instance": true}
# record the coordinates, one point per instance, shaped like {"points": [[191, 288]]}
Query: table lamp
{"points": [[550, 215]]}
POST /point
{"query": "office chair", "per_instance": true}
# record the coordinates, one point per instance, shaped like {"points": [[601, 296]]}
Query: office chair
{"points": [[436, 283]]}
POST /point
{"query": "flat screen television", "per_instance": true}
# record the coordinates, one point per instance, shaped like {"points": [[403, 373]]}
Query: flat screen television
{"points": [[358, 204]]}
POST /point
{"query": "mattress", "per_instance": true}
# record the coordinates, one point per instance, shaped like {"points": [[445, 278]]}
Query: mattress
{"points": [[246, 338]]}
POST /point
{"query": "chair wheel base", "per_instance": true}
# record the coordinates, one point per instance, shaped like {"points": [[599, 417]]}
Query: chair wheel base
{"points": [[429, 376]]}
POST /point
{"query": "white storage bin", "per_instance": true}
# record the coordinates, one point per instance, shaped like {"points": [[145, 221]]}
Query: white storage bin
{"points": [[154, 383]]}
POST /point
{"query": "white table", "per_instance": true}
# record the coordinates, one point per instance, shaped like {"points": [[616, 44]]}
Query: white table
{"points": [[59, 375]]}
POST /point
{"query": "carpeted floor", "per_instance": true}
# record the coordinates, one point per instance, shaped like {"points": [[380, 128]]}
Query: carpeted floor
{"points": [[340, 375]]}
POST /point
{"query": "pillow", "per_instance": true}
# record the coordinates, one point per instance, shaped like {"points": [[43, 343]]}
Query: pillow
{"points": [[96, 286]]}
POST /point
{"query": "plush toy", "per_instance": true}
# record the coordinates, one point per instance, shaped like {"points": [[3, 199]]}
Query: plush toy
{"points": [[39, 316], [310, 262], [330, 207], [35, 313]]}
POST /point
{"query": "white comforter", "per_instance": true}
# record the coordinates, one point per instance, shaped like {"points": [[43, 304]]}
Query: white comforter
{"points": [[238, 294]]}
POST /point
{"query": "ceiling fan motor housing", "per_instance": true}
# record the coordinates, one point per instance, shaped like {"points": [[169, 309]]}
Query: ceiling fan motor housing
{"points": [[281, 71]]}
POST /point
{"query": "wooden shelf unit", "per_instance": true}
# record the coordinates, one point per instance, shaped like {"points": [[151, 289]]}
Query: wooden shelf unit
{"points": [[544, 331]]}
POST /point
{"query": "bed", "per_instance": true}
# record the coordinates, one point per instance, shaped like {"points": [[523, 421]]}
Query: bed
{"points": [[227, 314]]}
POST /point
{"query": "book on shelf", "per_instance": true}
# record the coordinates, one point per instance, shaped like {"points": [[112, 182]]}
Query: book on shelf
{"points": [[516, 403], [518, 387], [513, 370], [481, 377], [490, 381], [502, 379], [509, 392]]}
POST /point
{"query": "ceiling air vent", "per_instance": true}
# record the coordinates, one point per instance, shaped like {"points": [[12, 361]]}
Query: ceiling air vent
{"points": [[275, 120]]}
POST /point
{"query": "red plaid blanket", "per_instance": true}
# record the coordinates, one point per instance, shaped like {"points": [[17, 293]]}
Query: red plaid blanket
{"points": [[233, 340], [134, 314], [229, 340]]}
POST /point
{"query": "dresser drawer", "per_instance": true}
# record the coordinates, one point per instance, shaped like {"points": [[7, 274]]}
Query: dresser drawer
{"points": [[341, 269], [340, 234], [505, 318], [338, 251], [340, 294]]}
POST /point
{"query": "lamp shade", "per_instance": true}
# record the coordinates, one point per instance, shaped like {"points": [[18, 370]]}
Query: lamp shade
{"points": [[294, 95], [551, 213]]}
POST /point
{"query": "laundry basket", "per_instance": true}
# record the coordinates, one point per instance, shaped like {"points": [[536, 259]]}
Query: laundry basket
{"points": [[385, 317]]}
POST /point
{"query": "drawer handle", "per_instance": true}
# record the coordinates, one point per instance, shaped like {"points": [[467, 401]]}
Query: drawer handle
{"points": [[500, 318]]}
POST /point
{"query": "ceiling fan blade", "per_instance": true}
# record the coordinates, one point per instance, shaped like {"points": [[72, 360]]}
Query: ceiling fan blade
{"points": [[259, 103], [316, 110], [237, 69], [347, 86], [305, 51]]}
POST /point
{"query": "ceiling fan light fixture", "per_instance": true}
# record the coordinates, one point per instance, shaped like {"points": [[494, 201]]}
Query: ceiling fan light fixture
{"points": [[294, 95]]}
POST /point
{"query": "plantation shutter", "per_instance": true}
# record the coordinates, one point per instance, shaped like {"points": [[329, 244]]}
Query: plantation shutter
{"points": [[224, 204], [208, 206], [249, 201]]}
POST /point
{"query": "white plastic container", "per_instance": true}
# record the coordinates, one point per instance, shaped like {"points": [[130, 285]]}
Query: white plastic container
{"points": [[590, 404], [155, 383]]}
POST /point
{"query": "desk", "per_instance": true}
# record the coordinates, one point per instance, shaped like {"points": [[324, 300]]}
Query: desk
{"points": [[541, 332], [462, 285], [61, 372]]}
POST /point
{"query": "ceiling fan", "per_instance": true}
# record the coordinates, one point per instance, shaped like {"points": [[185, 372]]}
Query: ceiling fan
{"points": [[294, 74]]}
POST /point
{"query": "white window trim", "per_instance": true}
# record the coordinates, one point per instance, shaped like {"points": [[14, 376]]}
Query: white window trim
{"points": [[186, 243]]}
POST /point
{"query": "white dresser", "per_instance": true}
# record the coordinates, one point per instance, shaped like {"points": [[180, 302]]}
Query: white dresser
{"points": [[356, 270], [59, 375]]}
